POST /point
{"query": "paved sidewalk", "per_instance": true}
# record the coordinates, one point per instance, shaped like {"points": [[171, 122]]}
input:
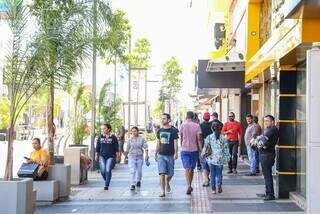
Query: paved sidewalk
{"points": [[239, 195]]}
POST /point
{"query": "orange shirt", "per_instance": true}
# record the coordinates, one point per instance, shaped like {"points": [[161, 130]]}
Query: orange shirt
{"points": [[232, 130]]}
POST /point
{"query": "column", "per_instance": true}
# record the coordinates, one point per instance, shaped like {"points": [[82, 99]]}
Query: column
{"points": [[313, 137]]}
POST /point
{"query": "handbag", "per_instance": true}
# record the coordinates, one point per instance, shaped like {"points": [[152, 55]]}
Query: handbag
{"points": [[28, 170], [206, 151]]}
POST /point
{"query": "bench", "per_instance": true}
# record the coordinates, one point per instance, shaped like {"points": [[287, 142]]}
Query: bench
{"points": [[47, 190]]}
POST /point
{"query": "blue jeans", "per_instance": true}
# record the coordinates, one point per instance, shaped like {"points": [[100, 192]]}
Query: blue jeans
{"points": [[106, 166], [216, 175], [135, 164], [252, 159]]}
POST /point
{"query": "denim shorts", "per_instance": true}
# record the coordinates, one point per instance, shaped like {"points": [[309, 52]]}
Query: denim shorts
{"points": [[205, 165], [189, 159], [166, 165]]}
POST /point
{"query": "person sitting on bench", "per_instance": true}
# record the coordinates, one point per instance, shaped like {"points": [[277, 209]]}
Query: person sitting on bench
{"points": [[39, 156]]}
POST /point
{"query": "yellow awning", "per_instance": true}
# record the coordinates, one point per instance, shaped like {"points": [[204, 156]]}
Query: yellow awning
{"points": [[283, 40]]}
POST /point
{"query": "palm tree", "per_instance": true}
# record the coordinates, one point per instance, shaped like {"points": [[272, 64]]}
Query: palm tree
{"points": [[21, 74], [66, 35]]}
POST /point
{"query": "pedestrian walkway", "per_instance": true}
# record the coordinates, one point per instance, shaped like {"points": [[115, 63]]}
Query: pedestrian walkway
{"points": [[239, 195]]}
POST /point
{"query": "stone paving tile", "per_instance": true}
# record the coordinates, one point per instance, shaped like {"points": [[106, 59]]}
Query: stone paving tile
{"points": [[239, 195]]}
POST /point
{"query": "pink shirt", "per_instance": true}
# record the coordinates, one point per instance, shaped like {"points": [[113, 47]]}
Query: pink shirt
{"points": [[189, 131]]}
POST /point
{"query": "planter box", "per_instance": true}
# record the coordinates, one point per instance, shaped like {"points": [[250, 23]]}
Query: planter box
{"points": [[46, 190], [62, 174], [72, 156], [17, 196]]}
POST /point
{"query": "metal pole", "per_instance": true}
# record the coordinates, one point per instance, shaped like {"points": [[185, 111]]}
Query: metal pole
{"points": [[145, 98], [115, 80], [137, 100], [129, 91], [94, 58]]}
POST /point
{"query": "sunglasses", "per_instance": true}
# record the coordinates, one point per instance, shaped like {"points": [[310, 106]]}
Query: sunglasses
{"points": [[230, 116]]}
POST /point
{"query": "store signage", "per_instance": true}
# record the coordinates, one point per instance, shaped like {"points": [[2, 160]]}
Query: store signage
{"points": [[291, 5], [278, 13]]}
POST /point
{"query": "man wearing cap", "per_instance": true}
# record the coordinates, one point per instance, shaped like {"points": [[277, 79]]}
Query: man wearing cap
{"points": [[206, 131]]}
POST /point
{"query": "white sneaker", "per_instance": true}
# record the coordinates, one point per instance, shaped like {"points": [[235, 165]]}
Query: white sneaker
{"points": [[214, 192]]}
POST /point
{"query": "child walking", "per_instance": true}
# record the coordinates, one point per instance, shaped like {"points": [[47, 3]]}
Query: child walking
{"points": [[136, 146], [216, 152]]}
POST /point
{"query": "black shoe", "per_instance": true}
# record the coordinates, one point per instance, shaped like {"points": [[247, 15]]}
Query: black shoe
{"points": [[229, 172], [138, 184], [235, 171], [257, 171], [269, 198], [106, 188], [261, 195], [132, 187], [189, 191], [251, 174]]}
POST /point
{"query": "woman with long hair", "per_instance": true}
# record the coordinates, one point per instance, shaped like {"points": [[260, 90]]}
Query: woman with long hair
{"points": [[216, 152]]}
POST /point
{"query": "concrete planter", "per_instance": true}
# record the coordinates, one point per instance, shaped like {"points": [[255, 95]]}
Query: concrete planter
{"points": [[72, 156], [17, 196], [62, 174]]}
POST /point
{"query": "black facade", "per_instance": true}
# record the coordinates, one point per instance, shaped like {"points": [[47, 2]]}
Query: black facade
{"points": [[223, 79]]}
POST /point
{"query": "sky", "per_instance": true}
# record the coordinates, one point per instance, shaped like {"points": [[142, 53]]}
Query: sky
{"points": [[173, 29]]}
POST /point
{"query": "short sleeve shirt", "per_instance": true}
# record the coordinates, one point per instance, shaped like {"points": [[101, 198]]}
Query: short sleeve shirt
{"points": [[166, 138], [189, 131]]}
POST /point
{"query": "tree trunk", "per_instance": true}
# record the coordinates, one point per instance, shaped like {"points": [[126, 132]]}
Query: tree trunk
{"points": [[51, 128], [9, 164]]}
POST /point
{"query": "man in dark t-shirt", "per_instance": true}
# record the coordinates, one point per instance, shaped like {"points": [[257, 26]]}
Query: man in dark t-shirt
{"points": [[166, 152], [206, 131]]}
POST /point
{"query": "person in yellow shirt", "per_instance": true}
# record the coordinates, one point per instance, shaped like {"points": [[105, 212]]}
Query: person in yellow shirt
{"points": [[39, 156]]}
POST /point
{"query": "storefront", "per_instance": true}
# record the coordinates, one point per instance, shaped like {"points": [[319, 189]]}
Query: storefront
{"points": [[277, 76]]}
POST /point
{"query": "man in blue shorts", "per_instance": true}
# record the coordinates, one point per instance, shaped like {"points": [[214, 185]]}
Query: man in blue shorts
{"points": [[166, 152], [190, 134]]}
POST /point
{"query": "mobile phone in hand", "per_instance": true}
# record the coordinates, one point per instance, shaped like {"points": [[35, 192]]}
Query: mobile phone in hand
{"points": [[26, 158]]}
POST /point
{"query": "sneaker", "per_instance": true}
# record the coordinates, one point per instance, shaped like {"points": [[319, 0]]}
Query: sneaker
{"points": [[139, 184], [269, 198], [189, 190], [168, 188], [251, 174], [230, 171], [106, 188], [235, 171], [219, 189], [162, 195], [206, 184], [214, 192], [132, 187]]}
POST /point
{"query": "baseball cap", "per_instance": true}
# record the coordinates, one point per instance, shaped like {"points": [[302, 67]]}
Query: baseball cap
{"points": [[206, 116]]}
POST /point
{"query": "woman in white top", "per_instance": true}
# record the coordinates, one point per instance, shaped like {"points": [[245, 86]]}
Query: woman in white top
{"points": [[136, 146]]}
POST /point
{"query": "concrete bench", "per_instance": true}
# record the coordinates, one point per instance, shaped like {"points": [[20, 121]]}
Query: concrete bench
{"points": [[46, 190]]}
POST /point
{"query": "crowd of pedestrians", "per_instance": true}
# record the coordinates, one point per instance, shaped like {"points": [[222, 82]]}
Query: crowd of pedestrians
{"points": [[210, 143]]}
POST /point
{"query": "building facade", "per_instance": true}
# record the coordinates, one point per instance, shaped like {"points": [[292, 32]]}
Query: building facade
{"points": [[279, 35]]}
